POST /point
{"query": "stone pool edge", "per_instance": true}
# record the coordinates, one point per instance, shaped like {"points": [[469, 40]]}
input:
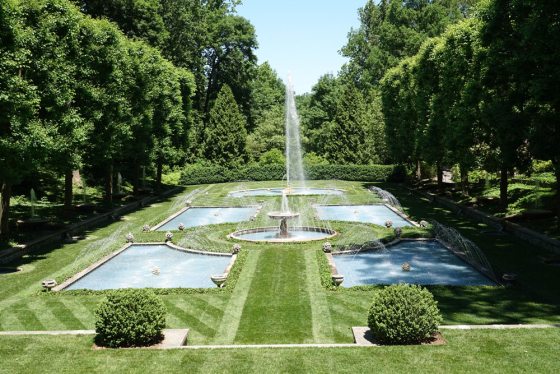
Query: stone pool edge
{"points": [[394, 210], [183, 210], [102, 261]]}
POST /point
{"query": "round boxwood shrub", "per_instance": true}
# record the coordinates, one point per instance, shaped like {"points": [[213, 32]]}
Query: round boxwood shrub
{"points": [[130, 318], [403, 314]]}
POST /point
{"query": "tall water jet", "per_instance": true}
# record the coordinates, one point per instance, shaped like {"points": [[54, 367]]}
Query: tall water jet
{"points": [[294, 159]]}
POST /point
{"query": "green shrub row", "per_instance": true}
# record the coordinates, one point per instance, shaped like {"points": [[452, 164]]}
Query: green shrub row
{"points": [[325, 271], [204, 174]]}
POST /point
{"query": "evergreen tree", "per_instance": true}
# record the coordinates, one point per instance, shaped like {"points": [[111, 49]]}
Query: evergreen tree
{"points": [[225, 135], [346, 140]]}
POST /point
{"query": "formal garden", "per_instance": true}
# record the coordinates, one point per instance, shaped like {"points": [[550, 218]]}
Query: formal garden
{"points": [[170, 204]]}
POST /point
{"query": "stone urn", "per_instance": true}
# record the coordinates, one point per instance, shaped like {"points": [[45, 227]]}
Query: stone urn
{"points": [[129, 238], [219, 280], [388, 223], [405, 266], [181, 226], [337, 279], [49, 284], [327, 247], [398, 232], [146, 228], [235, 249], [424, 224], [168, 236]]}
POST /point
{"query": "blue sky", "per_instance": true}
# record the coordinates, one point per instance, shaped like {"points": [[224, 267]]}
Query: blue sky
{"points": [[302, 37]]}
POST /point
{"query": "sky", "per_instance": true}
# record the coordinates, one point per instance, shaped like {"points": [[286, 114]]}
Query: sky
{"points": [[302, 37]]}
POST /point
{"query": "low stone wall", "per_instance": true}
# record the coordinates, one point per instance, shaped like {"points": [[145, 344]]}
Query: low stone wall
{"points": [[11, 254], [499, 224]]}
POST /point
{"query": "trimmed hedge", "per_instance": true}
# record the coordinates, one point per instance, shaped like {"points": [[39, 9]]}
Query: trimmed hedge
{"points": [[198, 174], [130, 318], [403, 314]]}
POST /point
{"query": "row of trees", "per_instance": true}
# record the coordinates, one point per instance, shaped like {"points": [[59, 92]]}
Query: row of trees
{"points": [[483, 95], [75, 92], [342, 116], [209, 39]]}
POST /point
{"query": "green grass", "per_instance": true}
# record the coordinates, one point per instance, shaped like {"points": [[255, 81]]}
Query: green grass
{"points": [[277, 308], [481, 351], [278, 298]]}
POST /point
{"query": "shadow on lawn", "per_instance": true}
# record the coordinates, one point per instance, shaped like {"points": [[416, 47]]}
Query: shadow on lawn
{"points": [[40, 251]]}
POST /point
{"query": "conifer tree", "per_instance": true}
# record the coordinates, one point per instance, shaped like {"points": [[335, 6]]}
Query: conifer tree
{"points": [[225, 135]]}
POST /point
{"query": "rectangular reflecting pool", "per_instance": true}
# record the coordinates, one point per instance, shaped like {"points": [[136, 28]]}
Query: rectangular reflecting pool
{"points": [[377, 214], [153, 266], [201, 216], [430, 261]]}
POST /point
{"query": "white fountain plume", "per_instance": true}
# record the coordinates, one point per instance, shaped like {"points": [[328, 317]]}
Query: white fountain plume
{"points": [[387, 197], [294, 160], [464, 248]]}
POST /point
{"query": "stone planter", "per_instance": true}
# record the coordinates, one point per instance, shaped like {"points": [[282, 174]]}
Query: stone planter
{"points": [[337, 279], [219, 280], [48, 284]]}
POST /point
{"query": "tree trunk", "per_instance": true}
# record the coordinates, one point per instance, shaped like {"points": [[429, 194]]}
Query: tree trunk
{"points": [[418, 170], [6, 193], [135, 178], [109, 184], [68, 192], [159, 172], [504, 187], [439, 176], [556, 164], [465, 181]]}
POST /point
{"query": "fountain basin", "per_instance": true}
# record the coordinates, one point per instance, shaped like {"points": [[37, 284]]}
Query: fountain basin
{"points": [[279, 191], [152, 265], [272, 234], [283, 215], [425, 262], [377, 214], [200, 216]]}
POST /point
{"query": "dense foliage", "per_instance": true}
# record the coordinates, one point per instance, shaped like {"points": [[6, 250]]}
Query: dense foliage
{"points": [[403, 314], [474, 96], [130, 318], [78, 94]]}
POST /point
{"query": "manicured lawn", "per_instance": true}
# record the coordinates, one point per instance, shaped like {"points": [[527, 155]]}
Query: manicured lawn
{"points": [[483, 351], [278, 298]]}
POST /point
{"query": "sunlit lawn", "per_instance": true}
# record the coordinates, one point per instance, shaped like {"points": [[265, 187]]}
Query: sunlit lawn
{"points": [[278, 298]]}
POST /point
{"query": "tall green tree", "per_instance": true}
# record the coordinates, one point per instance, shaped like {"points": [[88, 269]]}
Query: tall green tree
{"points": [[346, 140], [430, 106], [503, 102], [138, 19], [459, 66], [319, 112], [393, 29], [399, 110], [54, 71], [103, 95], [533, 51], [23, 139], [225, 135]]}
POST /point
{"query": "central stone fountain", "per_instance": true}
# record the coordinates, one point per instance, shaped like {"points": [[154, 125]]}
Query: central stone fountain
{"points": [[294, 172], [284, 215]]}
